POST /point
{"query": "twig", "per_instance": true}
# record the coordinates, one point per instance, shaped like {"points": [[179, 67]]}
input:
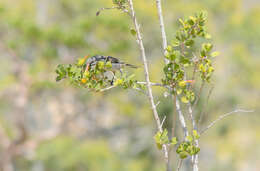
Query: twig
{"points": [[108, 88], [163, 121], [200, 91], [179, 164], [102, 9], [223, 116], [181, 118], [147, 78], [164, 44], [154, 84], [111, 8], [164, 38], [207, 102], [195, 158]]}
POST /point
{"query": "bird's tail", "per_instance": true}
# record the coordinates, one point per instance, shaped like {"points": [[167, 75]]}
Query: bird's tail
{"points": [[132, 66]]}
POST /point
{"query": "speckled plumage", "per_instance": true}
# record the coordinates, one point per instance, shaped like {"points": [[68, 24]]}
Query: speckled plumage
{"points": [[116, 63]]}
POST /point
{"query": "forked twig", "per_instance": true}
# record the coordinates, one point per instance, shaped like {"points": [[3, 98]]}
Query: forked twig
{"points": [[222, 117]]}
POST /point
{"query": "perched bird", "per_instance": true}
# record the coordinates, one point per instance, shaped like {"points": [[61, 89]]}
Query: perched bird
{"points": [[116, 63]]}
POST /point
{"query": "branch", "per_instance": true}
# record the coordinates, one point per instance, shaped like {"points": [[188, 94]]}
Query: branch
{"points": [[200, 91], [107, 88], [205, 106], [181, 118], [155, 84], [179, 164], [164, 39], [164, 44], [223, 116], [147, 78]]}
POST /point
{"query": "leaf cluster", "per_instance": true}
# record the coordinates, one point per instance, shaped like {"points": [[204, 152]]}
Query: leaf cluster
{"points": [[181, 55], [161, 138], [96, 77], [188, 147]]}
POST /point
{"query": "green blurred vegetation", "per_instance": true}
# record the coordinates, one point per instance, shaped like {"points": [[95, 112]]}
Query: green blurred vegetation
{"points": [[114, 130]]}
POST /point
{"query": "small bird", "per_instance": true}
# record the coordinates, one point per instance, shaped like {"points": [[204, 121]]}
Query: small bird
{"points": [[116, 63]]}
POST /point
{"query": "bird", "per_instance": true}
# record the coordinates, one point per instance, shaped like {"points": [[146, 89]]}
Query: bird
{"points": [[116, 63]]}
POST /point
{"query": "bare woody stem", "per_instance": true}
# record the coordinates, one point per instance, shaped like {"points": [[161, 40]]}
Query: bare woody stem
{"points": [[164, 38], [223, 116], [179, 164], [164, 43], [147, 78], [195, 158]]}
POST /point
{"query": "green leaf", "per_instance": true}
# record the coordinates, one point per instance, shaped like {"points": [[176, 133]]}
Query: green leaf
{"points": [[81, 61], [118, 82], [179, 91], [192, 20], [175, 43], [159, 146], [183, 154], [189, 42], [133, 31], [108, 64], [157, 137], [164, 137], [182, 83], [195, 134], [181, 21], [207, 36], [101, 65], [214, 54], [197, 150], [184, 99], [174, 141], [169, 49], [167, 55], [189, 138], [207, 46]]}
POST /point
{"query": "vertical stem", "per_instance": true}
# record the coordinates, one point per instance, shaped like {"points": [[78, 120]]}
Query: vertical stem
{"points": [[179, 164], [164, 38], [164, 44], [181, 118], [195, 158], [147, 78]]}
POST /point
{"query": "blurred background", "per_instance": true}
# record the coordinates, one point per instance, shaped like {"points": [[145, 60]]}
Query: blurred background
{"points": [[49, 126]]}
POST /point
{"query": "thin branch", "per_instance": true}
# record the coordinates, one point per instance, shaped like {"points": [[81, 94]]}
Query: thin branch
{"points": [[164, 38], [164, 44], [102, 9], [195, 158], [223, 116], [179, 164], [174, 120], [200, 91], [147, 78], [163, 121], [107, 88], [181, 118], [204, 108], [154, 84], [112, 8]]}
